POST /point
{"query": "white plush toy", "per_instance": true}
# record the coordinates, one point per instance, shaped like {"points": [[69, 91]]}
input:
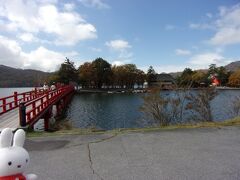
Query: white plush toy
{"points": [[13, 157]]}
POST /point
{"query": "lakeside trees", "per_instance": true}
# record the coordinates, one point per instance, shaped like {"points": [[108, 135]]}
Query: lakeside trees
{"points": [[85, 74], [101, 74], [234, 79], [202, 78], [185, 79]]}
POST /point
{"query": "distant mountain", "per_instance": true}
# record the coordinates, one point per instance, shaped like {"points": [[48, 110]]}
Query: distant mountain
{"points": [[175, 74], [12, 77], [233, 66]]}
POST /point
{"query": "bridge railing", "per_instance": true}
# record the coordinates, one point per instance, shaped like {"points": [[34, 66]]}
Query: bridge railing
{"points": [[30, 111], [11, 102]]}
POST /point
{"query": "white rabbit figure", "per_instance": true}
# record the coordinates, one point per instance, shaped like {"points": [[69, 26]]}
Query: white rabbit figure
{"points": [[13, 157]]}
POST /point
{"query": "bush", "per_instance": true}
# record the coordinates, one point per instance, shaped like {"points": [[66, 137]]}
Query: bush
{"points": [[199, 104]]}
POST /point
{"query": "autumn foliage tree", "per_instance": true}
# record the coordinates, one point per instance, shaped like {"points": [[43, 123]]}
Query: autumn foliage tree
{"points": [[185, 79], [119, 75], [234, 79], [85, 75], [99, 73], [199, 78]]}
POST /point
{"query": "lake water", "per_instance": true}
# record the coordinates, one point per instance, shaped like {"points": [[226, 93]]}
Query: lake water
{"points": [[110, 111], [4, 92], [105, 111], [9, 91]]}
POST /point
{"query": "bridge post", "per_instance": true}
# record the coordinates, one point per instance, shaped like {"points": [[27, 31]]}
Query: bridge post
{"points": [[46, 123], [22, 114], [4, 105], [58, 109], [46, 118], [15, 99], [47, 98]]}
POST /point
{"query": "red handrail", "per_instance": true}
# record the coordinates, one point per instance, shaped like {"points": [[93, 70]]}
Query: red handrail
{"points": [[35, 107], [11, 102]]}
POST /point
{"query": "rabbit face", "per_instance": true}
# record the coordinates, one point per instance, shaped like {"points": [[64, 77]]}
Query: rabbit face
{"points": [[13, 157], [13, 160]]}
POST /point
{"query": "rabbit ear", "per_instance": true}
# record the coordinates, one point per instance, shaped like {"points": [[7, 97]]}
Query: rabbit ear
{"points": [[6, 138], [19, 138]]}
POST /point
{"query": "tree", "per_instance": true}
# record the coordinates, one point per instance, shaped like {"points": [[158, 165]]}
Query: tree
{"points": [[54, 77], [101, 72], [118, 76], [220, 73], [163, 109], [199, 78], [234, 79], [151, 75], [85, 75], [156, 107], [67, 72], [223, 75], [213, 69], [186, 78], [200, 104], [140, 77], [127, 75], [130, 75]]}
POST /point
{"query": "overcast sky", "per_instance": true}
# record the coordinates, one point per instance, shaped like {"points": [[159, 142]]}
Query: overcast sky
{"points": [[167, 34]]}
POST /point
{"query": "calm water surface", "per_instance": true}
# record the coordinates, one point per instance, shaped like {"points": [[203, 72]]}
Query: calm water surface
{"points": [[110, 111], [105, 111], [9, 91], [4, 92]]}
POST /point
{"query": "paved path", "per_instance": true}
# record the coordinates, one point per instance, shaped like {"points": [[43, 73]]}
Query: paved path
{"points": [[206, 154]]}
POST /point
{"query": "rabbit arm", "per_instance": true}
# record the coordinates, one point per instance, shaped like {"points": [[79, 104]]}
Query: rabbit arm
{"points": [[31, 176]]}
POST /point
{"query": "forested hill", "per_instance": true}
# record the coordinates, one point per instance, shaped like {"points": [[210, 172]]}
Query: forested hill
{"points": [[233, 66], [12, 77]]}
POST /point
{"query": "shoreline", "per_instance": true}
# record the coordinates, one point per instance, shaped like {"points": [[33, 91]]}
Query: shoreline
{"points": [[110, 91], [89, 131], [140, 90]]}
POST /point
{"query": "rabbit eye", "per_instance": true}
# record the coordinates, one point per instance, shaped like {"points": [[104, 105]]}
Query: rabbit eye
{"points": [[26, 160], [9, 163]]}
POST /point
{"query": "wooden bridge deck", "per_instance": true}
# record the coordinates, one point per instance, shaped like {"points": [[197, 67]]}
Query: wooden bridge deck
{"points": [[35, 108], [10, 120]]}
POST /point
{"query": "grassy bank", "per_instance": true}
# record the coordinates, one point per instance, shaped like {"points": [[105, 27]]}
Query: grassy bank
{"points": [[78, 131]]}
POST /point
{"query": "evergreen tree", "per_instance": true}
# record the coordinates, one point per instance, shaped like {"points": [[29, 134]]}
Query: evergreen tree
{"points": [[151, 75], [67, 72]]}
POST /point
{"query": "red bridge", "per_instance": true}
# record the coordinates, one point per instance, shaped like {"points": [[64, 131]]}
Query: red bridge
{"points": [[23, 110]]}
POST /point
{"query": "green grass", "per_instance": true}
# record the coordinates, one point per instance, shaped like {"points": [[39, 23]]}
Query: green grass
{"points": [[78, 131]]}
